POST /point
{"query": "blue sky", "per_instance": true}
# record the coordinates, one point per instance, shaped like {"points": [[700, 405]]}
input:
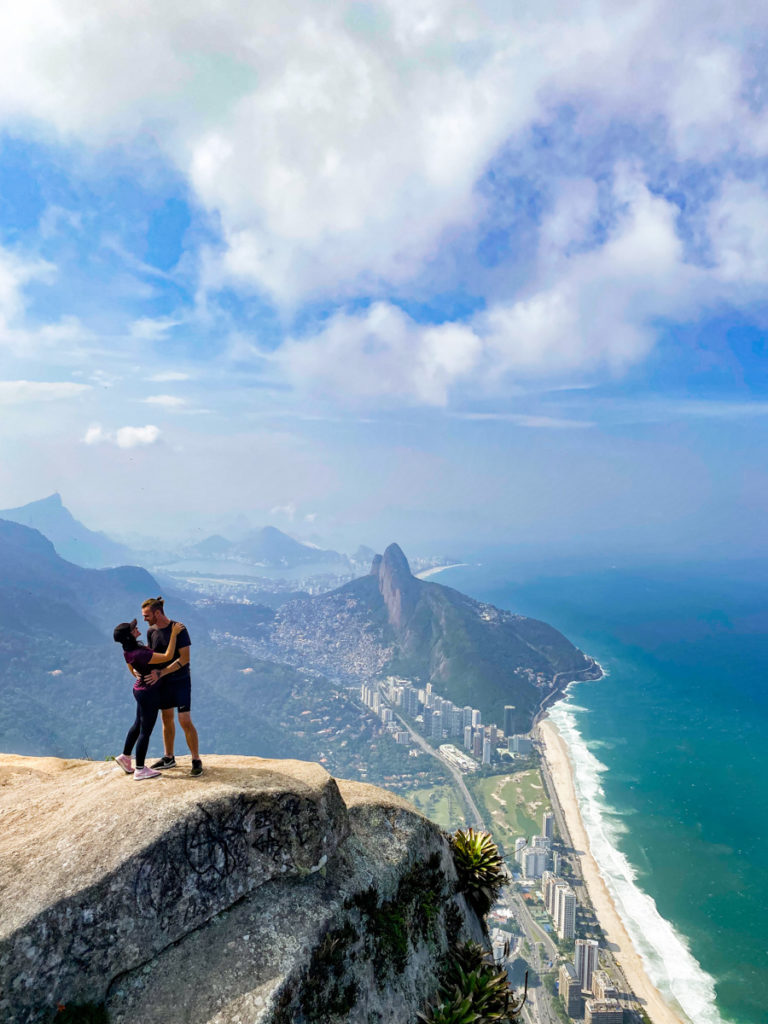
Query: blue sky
{"points": [[376, 271]]}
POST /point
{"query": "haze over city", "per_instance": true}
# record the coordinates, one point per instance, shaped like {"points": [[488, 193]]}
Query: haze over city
{"points": [[365, 271]]}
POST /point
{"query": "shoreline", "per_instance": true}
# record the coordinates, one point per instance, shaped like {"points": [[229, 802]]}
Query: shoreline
{"points": [[558, 764], [426, 573]]}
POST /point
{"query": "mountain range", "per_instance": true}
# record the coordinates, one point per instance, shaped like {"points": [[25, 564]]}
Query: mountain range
{"points": [[44, 595], [392, 622], [70, 538], [268, 547]]}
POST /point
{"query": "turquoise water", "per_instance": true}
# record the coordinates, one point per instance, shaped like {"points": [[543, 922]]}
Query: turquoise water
{"points": [[670, 757]]}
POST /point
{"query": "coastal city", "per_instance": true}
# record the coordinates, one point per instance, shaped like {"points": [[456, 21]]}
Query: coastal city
{"points": [[543, 927]]}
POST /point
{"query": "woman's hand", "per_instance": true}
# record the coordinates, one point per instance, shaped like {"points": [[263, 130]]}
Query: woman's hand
{"points": [[176, 628]]}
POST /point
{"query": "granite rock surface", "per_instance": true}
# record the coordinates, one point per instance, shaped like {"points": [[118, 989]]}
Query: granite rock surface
{"points": [[263, 892]]}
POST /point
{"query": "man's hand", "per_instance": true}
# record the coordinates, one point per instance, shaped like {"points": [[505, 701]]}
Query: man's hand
{"points": [[152, 677]]}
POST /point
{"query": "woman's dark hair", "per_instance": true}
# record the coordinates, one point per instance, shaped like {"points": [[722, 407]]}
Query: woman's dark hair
{"points": [[123, 635], [129, 642]]}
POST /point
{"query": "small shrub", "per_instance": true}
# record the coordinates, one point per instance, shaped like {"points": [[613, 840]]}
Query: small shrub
{"points": [[474, 990], [456, 1009], [480, 868]]}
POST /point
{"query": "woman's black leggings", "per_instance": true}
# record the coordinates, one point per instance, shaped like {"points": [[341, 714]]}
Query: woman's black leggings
{"points": [[141, 730]]}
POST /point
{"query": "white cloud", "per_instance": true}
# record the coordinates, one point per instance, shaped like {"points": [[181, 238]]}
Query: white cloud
{"points": [[339, 149], [152, 328], [132, 437], [15, 273], [289, 511], [18, 392], [95, 434], [168, 377], [738, 228], [166, 401], [527, 420], [123, 437], [586, 310], [337, 144], [382, 352]]}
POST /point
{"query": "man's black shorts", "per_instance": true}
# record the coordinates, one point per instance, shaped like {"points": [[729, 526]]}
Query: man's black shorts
{"points": [[176, 694]]}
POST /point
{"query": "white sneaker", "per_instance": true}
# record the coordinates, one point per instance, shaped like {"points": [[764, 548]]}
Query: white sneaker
{"points": [[125, 763], [145, 773]]}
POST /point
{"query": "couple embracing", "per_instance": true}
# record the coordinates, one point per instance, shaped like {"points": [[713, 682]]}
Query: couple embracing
{"points": [[162, 683]]}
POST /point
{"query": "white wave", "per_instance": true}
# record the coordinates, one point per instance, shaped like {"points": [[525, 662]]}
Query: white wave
{"points": [[666, 956]]}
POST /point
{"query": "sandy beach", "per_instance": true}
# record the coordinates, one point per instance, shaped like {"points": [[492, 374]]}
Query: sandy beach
{"points": [[426, 573], [556, 755]]}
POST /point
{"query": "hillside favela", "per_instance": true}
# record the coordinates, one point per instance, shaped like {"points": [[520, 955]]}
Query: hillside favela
{"points": [[383, 535]]}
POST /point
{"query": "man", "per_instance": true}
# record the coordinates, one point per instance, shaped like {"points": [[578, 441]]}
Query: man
{"points": [[177, 684]]}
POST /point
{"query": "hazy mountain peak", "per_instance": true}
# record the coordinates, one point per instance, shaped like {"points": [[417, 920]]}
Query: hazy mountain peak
{"points": [[71, 539], [397, 585], [395, 561]]}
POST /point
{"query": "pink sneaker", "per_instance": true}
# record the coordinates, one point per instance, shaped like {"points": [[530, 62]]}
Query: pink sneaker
{"points": [[146, 773], [125, 763]]}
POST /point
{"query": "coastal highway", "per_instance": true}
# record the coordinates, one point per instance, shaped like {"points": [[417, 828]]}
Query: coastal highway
{"points": [[538, 1008], [474, 813]]}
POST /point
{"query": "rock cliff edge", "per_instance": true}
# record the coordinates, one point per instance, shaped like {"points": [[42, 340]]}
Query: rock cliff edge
{"points": [[264, 892]]}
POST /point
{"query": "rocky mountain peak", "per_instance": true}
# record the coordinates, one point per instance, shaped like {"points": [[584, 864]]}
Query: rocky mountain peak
{"points": [[397, 586]]}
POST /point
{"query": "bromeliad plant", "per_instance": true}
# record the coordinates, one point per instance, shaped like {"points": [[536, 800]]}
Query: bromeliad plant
{"points": [[474, 991], [480, 868]]}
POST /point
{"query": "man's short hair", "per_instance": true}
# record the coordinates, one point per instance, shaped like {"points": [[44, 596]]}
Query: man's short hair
{"points": [[155, 603]]}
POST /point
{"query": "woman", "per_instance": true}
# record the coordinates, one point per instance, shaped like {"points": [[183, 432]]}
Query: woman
{"points": [[147, 694]]}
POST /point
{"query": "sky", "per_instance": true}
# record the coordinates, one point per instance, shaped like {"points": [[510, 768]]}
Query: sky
{"points": [[431, 272]]}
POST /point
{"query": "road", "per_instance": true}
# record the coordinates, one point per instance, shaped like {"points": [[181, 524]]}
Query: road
{"points": [[538, 1009], [474, 817]]}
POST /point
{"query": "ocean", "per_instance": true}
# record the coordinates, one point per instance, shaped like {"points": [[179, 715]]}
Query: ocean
{"points": [[670, 754]]}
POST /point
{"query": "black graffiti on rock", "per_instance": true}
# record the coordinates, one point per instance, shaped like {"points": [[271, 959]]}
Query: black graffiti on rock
{"points": [[185, 874]]}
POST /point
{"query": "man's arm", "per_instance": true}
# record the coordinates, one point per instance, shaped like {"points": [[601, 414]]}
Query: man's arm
{"points": [[182, 659]]}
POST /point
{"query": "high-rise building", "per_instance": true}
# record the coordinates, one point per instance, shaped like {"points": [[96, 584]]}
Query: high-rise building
{"points": [[565, 911], [534, 862], [541, 843], [427, 720], [486, 751], [520, 745], [467, 737], [520, 844], [436, 730], [457, 721], [476, 718], [493, 735], [547, 881], [548, 825], [467, 715], [556, 862], [585, 961], [509, 719], [603, 1011], [570, 990], [602, 986], [411, 702], [477, 744]]}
